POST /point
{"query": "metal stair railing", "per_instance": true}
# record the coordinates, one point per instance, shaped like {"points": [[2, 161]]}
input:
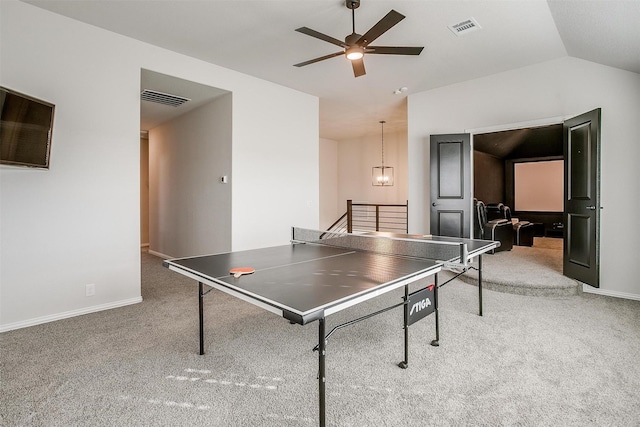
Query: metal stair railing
{"points": [[363, 217], [340, 226]]}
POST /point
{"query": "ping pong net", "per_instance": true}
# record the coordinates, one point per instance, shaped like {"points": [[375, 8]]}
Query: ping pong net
{"points": [[454, 255]]}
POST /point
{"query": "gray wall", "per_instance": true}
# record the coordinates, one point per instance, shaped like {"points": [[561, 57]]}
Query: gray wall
{"points": [[190, 209], [541, 94]]}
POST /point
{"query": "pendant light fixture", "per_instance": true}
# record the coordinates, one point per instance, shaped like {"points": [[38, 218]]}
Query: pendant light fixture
{"points": [[382, 176]]}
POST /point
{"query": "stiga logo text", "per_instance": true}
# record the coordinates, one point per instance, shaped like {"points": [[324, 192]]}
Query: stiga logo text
{"points": [[420, 305]]}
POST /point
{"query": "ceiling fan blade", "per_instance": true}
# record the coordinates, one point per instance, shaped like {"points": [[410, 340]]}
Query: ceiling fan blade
{"points": [[322, 58], [314, 33], [394, 50], [383, 25], [358, 67]]}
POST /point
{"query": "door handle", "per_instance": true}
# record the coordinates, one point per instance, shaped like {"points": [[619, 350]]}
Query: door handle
{"points": [[592, 208], [434, 204]]}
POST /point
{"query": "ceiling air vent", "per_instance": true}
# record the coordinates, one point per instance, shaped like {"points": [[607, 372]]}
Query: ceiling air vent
{"points": [[465, 27], [162, 98]]}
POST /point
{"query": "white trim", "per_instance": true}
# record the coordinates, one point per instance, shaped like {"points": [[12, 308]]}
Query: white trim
{"points": [[158, 254], [68, 314], [591, 290], [351, 302], [519, 125], [228, 290], [279, 308]]}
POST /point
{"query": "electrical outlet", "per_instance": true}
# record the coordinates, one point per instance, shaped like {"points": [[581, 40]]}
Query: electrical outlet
{"points": [[90, 290]]}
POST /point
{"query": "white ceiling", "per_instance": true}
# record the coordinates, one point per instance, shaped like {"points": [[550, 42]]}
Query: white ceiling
{"points": [[258, 38]]}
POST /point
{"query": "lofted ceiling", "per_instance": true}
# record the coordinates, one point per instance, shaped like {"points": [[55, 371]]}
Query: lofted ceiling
{"points": [[542, 141], [258, 38]]}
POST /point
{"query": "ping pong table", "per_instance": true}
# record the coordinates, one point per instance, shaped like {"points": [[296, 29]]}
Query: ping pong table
{"points": [[321, 273]]}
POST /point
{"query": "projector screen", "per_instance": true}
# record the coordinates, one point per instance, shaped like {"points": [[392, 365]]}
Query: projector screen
{"points": [[539, 186]]}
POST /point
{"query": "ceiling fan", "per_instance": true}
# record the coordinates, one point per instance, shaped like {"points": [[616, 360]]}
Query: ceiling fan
{"points": [[355, 46]]}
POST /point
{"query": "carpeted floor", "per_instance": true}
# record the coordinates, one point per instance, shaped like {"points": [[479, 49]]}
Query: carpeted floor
{"points": [[529, 361], [524, 270]]}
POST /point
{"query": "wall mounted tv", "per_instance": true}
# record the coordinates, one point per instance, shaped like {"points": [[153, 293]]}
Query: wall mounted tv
{"points": [[26, 124]]}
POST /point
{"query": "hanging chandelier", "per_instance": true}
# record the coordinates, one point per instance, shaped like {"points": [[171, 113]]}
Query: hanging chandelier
{"points": [[382, 175]]}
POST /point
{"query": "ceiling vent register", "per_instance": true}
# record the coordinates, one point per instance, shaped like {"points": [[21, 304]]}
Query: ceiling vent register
{"points": [[468, 26], [163, 98]]}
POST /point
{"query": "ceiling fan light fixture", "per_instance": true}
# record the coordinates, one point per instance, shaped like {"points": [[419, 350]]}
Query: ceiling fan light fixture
{"points": [[354, 53], [355, 45]]}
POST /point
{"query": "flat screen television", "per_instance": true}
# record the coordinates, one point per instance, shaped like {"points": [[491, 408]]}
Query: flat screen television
{"points": [[26, 124]]}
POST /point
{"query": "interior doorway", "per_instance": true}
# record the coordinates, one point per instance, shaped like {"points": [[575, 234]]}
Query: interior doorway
{"points": [[144, 191], [579, 219], [523, 169], [185, 205]]}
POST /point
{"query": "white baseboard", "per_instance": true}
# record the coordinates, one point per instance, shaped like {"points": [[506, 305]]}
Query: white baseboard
{"points": [[68, 314], [591, 290], [158, 254]]}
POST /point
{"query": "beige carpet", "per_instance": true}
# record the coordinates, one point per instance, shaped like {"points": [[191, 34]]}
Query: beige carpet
{"points": [[535, 271], [527, 362]]}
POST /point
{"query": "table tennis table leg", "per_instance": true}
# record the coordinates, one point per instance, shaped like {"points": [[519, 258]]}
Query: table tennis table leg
{"points": [[480, 284], [436, 342], [405, 363], [201, 315], [322, 343]]}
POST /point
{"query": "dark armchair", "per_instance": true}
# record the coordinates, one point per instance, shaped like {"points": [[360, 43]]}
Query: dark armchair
{"points": [[523, 230], [498, 229]]}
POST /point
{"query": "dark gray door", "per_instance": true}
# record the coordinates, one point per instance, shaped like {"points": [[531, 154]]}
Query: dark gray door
{"points": [[582, 198], [451, 186]]}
